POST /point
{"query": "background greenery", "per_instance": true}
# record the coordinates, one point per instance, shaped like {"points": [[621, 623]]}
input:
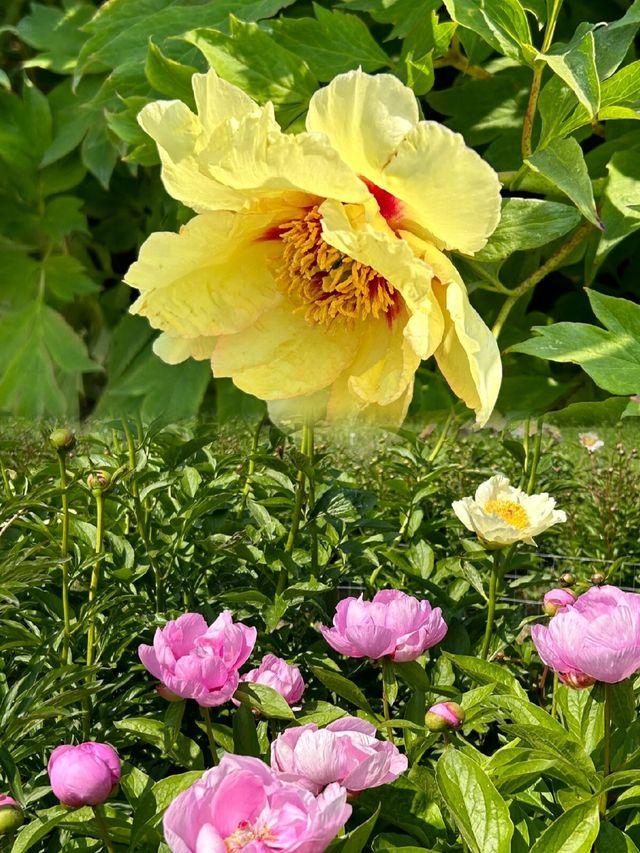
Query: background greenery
{"points": [[81, 189]]}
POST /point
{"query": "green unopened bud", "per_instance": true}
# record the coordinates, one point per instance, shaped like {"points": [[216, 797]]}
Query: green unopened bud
{"points": [[62, 440], [598, 578], [567, 579], [11, 816], [98, 482]]}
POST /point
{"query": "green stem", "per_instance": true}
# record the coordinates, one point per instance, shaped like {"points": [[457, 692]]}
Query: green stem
{"points": [[64, 547], [607, 744], [93, 591], [554, 696], [538, 68], [441, 440], [252, 460], [491, 607], [206, 715], [311, 499], [283, 578], [104, 829], [387, 712], [537, 446]]}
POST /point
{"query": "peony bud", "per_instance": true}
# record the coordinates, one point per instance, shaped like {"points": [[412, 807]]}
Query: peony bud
{"points": [[84, 775], [557, 598], [11, 815], [567, 579], [444, 716], [98, 482], [62, 440], [598, 578]]}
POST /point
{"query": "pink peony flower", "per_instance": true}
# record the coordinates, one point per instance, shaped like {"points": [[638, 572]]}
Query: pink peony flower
{"points": [[443, 716], [393, 624], [556, 599], [83, 775], [281, 676], [200, 662], [346, 751], [597, 639], [241, 805]]}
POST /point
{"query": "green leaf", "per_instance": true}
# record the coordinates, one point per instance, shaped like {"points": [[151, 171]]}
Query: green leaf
{"points": [[268, 701], [613, 840], [485, 672], [575, 63], [152, 805], [623, 703], [245, 736], [527, 223], [254, 61], [56, 33], [169, 77], [478, 810], [331, 43], [174, 745], [62, 216], [34, 831], [501, 23], [341, 686], [356, 840], [618, 211], [98, 153], [562, 163], [610, 356], [574, 832], [614, 39], [389, 680]]}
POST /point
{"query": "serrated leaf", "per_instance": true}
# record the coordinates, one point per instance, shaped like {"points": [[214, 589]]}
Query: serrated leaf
{"points": [[562, 163]]}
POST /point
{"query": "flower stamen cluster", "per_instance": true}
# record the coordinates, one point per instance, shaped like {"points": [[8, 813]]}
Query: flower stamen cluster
{"points": [[513, 513]]}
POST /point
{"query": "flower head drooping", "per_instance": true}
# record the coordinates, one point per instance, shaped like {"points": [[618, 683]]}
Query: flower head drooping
{"points": [[314, 272], [392, 624], [242, 805], [83, 775], [280, 676], [501, 515], [555, 599], [199, 661], [591, 441], [596, 639], [346, 751]]}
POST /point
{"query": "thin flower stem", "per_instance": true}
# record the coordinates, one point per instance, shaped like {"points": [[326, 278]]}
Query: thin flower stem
{"points": [[554, 696], [441, 440], [537, 446], [64, 548], [206, 715], [283, 577], [531, 281], [607, 744], [386, 712], [491, 605], [538, 68], [252, 460], [93, 591], [311, 499], [104, 829]]}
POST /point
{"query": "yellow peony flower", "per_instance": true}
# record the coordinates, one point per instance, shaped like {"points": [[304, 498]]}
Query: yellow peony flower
{"points": [[313, 274], [501, 515]]}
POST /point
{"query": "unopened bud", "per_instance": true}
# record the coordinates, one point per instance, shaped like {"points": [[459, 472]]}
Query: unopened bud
{"points": [[556, 599], [11, 815], [444, 716], [567, 579], [62, 440], [98, 482], [598, 578]]}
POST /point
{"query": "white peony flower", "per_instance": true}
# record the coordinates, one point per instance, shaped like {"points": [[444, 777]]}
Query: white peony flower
{"points": [[591, 441], [500, 514]]}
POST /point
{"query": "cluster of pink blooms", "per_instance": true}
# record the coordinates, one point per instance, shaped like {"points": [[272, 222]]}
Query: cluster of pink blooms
{"points": [[595, 637]]}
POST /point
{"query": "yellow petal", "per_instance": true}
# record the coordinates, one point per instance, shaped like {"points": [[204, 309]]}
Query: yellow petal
{"points": [[365, 118], [447, 189], [213, 278], [468, 357], [345, 405], [217, 101], [175, 350], [299, 410], [374, 244], [282, 356]]}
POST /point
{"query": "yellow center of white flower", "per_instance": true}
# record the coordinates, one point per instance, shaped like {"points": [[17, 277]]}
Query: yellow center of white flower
{"points": [[244, 835], [328, 284], [513, 513]]}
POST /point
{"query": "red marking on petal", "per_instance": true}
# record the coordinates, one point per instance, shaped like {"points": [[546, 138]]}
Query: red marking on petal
{"points": [[390, 206], [272, 233]]}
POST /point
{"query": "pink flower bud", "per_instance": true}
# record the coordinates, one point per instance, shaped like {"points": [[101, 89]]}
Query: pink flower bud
{"points": [[83, 775], [281, 676], [11, 815], [443, 716], [557, 598]]}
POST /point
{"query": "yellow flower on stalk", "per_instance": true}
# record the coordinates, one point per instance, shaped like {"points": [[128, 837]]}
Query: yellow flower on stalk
{"points": [[501, 514], [313, 273]]}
